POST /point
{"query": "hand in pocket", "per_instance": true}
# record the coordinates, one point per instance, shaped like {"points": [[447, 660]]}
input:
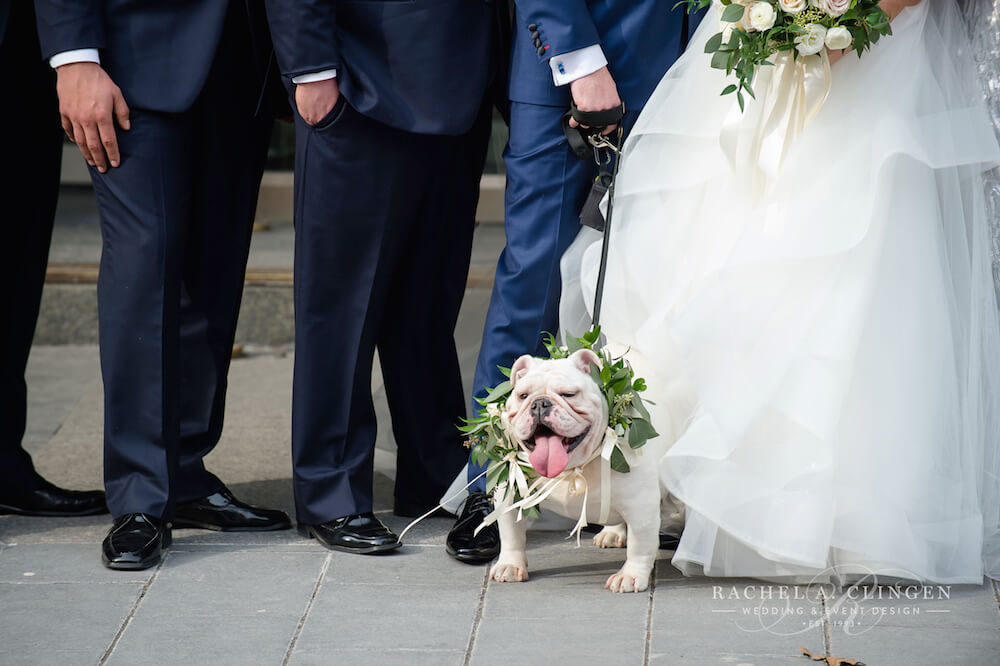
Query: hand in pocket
{"points": [[316, 100]]}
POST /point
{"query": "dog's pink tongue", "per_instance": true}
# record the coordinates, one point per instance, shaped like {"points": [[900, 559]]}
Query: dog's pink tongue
{"points": [[549, 457]]}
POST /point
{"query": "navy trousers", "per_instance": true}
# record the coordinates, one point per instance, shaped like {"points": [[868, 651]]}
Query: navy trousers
{"points": [[176, 219], [547, 185], [383, 237], [29, 188]]}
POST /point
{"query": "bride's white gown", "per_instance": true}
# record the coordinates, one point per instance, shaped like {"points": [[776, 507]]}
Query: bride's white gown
{"points": [[835, 322]]}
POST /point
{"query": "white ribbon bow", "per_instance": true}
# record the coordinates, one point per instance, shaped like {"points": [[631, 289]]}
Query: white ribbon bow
{"points": [[537, 492]]}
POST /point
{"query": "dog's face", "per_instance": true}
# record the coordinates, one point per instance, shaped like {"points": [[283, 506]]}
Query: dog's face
{"points": [[556, 411]]}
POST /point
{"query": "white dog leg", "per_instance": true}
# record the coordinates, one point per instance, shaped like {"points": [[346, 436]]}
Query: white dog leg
{"points": [[512, 565], [612, 536], [643, 543]]}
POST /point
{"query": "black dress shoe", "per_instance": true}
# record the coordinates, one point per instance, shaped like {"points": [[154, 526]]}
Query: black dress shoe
{"points": [[361, 533], [224, 513], [136, 541], [46, 499], [669, 540], [463, 543]]}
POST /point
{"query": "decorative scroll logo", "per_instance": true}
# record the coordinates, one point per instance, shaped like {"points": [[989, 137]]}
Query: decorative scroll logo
{"points": [[828, 599]]}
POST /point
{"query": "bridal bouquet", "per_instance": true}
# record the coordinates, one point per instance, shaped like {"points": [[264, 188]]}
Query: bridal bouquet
{"points": [[755, 30]]}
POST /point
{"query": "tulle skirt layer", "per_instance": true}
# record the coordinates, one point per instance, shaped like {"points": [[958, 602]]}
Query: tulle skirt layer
{"points": [[834, 320]]}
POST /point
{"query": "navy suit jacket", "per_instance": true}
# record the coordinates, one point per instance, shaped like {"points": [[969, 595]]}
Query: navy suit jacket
{"points": [[4, 15], [420, 65], [640, 38], [159, 52]]}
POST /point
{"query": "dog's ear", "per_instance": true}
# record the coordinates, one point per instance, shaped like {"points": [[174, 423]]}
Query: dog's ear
{"points": [[583, 359], [520, 367]]}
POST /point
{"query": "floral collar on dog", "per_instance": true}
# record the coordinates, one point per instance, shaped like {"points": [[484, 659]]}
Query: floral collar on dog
{"points": [[510, 478]]}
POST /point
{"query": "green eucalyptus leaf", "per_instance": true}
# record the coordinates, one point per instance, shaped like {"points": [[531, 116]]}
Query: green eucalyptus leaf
{"points": [[640, 432], [720, 60], [499, 391], [713, 43], [733, 13], [618, 462]]}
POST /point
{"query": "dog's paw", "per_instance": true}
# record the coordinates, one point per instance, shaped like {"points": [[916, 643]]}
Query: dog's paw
{"points": [[507, 572], [612, 536], [624, 581]]}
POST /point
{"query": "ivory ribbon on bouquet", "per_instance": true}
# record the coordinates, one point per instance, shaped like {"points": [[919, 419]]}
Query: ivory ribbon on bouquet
{"points": [[785, 103], [541, 488]]}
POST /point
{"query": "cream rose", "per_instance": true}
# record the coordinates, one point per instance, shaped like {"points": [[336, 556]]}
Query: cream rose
{"points": [[761, 16], [834, 8], [793, 6], [838, 38], [813, 41]]}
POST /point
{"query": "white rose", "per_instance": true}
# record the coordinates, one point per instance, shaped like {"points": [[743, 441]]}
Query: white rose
{"points": [[838, 38], [761, 16], [813, 41], [793, 6], [492, 409]]}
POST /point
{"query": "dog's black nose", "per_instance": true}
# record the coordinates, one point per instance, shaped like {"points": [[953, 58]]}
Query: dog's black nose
{"points": [[540, 407]]}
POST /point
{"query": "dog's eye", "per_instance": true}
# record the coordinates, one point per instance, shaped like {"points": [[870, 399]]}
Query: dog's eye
{"points": [[568, 395], [523, 396]]}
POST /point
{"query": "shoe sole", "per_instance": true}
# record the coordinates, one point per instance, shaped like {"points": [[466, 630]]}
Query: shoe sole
{"points": [[6, 510], [470, 559], [190, 524], [309, 533]]}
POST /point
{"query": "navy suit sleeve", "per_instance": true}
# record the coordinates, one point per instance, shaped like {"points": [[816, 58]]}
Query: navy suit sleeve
{"points": [[67, 25], [563, 26], [304, 34]]}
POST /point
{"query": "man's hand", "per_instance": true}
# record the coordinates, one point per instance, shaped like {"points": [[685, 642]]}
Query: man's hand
{"points": [[595, 92], [315, 100], [89, 103]]}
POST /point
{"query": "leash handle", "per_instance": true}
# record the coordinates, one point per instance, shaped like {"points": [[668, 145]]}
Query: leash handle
{"points": [[597, 120], [606, 240]]}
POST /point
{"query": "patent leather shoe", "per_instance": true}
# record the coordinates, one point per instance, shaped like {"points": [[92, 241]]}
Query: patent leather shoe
{"points": [[361, 533], [47, 499], [463, 543], [222, 512], [136, 541]]}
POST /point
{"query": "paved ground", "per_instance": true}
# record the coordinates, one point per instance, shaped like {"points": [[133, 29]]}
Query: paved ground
{"points": [[276, 598]]}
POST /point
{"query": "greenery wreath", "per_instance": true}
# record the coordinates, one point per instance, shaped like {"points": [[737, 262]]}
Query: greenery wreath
{"points": [[627, 416]]}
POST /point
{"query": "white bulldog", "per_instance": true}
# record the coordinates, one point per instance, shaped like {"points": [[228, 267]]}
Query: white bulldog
{"points": [[558, 414]]}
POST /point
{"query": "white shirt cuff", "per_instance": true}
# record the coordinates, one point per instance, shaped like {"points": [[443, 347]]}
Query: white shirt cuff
{"points": [[571, 66], [313, 77], [77, 55]]}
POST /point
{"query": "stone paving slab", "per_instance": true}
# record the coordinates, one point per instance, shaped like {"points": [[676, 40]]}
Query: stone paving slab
{"points": [[61, 563], [381, 657], [419, 617], [220, 607], [956, 625], [695, 620], [61, 623]]}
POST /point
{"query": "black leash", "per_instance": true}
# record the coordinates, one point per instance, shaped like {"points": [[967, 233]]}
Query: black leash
{"points": [[590, 142]]}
